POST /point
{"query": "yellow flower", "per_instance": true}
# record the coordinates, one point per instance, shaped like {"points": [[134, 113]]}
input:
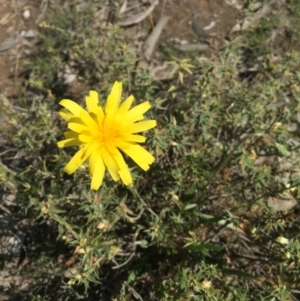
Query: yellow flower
{"points": [[102, 134]]}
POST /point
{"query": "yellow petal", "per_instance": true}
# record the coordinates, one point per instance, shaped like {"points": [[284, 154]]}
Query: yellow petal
{"points": [[85, 138], [70, 134], [75, 162], [77, 120], [134, 138], [111, 148], [100, 116], [69, 142], [98, 174], [80, 157], [142, 126], [107, 123], [125, 176], [121, 143], [124, 172], [92, 102], [114, 98], [143, 153], [88, 120], [125, 106], [72, 106], [139, 155], [133, 119], [92, 161], [110, 164], [66, 115], [138, 110], [76, 127]]}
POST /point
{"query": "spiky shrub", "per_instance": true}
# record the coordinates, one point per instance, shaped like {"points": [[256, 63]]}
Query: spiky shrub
{"points": [[201, 223]]}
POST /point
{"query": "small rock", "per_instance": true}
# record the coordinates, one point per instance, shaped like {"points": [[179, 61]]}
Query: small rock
{"points": [[7, 44], [281, 204], [9, 200], [292, 127], [68, 76], [28, 33], [26, 14]]}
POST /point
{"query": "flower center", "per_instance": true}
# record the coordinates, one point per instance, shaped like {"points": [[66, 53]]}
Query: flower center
{"points": [[107, 135]]}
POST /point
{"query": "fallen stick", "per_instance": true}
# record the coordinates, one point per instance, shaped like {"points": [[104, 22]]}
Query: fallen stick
{"points": [[139, 17], [153, 37], [192, 47]]}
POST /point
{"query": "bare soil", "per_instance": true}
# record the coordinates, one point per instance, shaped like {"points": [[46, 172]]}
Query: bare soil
{"points": [[17, 19], [215, 17]]}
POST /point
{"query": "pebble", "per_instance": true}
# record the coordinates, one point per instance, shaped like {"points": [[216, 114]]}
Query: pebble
{"points": [[8, 44], [26, 14], [29, 33]]}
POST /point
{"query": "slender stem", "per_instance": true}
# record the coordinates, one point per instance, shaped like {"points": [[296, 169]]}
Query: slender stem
{"points": [[136, 194]]}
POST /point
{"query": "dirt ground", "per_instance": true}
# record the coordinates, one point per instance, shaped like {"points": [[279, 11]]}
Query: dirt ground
{"points": [[19, 23], [215, 17]]}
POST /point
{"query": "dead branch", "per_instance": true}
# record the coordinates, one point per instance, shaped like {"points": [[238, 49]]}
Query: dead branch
{"points": [[139, 17], [153, 37]]}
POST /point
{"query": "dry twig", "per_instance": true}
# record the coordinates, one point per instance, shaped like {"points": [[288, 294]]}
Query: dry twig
{"points": [[153, 37], [139, 17]]}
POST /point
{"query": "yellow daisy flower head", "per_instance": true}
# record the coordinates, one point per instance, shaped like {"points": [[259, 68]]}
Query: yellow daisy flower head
{"points": [[103, 134]]}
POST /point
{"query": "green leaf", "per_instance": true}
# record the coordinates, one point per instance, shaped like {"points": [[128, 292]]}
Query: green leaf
{"points": [[132, 276], [190, 191], [200, 247], [237, 273], [282, 149]]}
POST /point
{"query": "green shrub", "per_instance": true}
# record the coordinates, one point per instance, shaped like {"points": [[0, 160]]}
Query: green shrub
{"points": [[201, 223]]}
